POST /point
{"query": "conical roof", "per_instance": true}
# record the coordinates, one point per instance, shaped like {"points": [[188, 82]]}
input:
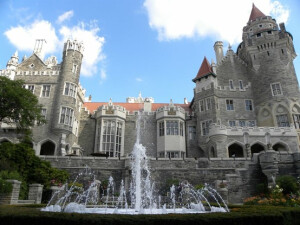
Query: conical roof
{"points": [[255, 13], [204, 70]]}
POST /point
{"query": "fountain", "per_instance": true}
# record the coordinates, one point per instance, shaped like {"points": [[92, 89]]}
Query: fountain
{"points": [[182, 199]]}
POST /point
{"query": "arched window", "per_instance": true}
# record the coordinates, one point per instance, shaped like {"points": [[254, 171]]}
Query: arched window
{"points": [[256, 148], [235, 151], [279, 147], [47, 148]]}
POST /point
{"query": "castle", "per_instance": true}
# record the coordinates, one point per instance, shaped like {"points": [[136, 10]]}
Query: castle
{"points": [[245, 112]]}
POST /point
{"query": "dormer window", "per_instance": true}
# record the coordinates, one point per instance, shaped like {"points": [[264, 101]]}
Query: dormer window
{"points": [[260, 25], [258, 35]]}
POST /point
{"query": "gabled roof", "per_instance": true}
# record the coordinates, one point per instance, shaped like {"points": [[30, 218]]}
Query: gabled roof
{"points": [[255, 13], [204, 70], [131, 107]]}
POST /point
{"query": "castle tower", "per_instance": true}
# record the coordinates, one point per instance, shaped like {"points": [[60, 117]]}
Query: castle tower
{"points": [[12, 65], [269, 53], [67, 104]]}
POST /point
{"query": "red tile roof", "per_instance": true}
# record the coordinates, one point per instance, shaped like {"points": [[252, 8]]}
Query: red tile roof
{"points": [[255, 13], [205, 69], [131, 107]]}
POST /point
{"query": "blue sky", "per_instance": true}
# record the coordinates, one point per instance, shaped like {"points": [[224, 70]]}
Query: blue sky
{"points": [[152, 46]]}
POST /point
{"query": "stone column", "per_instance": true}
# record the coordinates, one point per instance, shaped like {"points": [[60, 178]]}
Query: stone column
{"points": [[35, 193], [13, 197], [268, 161]]}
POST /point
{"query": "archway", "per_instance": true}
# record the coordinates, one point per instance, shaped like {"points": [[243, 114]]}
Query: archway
{"points": [[47, 148], [235, 150], [256, 148], [280, 147]]}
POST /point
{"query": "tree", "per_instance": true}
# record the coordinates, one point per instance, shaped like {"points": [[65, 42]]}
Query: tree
{"points": [[18, 105]]}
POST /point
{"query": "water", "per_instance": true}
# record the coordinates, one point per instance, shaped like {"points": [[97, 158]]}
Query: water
{"points": [[86, 198]]}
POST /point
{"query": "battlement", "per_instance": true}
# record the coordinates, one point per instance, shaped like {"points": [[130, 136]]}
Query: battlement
{"points": [[74, 45], [38, 73], [211, 86], [5, 72]]}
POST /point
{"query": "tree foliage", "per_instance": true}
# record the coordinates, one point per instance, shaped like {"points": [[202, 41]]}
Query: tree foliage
{"points": [[21, 159], [18, 105]]}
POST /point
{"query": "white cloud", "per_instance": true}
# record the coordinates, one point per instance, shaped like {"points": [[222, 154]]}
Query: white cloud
{"points": [[88, 34], [103, 74], [66, 16], [138, 79], [23, 38], [175, 19]]}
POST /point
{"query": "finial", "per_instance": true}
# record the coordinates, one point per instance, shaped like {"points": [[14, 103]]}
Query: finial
{"points": [[16, 54], [110, 102], [24, 58]]}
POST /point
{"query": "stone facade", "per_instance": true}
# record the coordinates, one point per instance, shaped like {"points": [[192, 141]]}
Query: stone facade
{"points": [[243, 120]]}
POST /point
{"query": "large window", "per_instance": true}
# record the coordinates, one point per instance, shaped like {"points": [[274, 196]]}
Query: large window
{"points": [[70, 89], [172, 127], [161, 128], [205, 127], [282, 120], [45, 91], [112, 137], [249, 105], [29, 87], [276, 89], [229, 104], [66, 116]]}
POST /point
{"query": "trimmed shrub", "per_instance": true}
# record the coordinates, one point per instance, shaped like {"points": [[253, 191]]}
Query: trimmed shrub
{"points": [[288, 184]]}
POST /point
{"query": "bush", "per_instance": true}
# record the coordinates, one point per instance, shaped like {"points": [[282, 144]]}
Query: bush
{"points": [[5, 187], [22, 164], [288, 184]]}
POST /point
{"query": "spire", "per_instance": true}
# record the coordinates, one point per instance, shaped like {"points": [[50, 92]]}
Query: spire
{"points": [[255, 13], [205, 69]]}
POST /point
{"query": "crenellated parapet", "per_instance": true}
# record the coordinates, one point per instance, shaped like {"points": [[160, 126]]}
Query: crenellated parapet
{"points": [[111, 110], [74, 45], [170, 111]]}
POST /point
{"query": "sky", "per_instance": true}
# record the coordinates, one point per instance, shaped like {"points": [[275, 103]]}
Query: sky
{"points": [[150, 46]]}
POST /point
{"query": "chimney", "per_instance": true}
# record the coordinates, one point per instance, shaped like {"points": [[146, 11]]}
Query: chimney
{"points": [[282, 27], [218, 46], [90, 98], [185, 101]]}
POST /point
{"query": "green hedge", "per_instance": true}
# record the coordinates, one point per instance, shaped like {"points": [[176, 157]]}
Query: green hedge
{"points": [[247, 215]]}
